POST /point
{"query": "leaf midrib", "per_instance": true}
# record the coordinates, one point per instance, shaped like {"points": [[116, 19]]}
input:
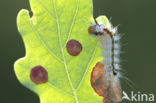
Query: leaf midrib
{"points": [[62, 51]]}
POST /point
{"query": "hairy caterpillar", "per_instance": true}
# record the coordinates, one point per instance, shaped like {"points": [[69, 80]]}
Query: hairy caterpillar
{"points": [[105, 75]]}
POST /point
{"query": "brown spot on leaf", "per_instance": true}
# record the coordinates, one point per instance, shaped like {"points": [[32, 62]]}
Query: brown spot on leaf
{"points": [[98, 79], [39, 75], [110, 91], [74, 47]]}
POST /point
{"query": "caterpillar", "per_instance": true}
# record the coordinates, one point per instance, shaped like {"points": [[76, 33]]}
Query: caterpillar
{"points": [[105, 75]]}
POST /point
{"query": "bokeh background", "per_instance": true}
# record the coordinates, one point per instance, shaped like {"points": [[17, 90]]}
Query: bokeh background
{"points": [[137, 19]]}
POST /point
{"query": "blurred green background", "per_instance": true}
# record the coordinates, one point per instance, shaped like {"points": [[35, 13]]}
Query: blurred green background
{"points": [[137, 19]]}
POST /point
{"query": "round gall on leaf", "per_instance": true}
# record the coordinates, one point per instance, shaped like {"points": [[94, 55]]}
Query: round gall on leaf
{"points": [[39, 75], [74, 47]]}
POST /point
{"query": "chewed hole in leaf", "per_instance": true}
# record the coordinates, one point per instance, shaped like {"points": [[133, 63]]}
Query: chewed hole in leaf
{"points": [[39, 75], [31, 14], [74, 47]]}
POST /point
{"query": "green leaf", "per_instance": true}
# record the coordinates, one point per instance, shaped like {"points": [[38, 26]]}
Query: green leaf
{"points": [[45, 35]]}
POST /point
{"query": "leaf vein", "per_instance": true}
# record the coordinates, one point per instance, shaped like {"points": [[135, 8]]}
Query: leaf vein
{"points": [[43, 43], [46, 10], [61, 90], [93, 54], [73, 21], [60, 43]]}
